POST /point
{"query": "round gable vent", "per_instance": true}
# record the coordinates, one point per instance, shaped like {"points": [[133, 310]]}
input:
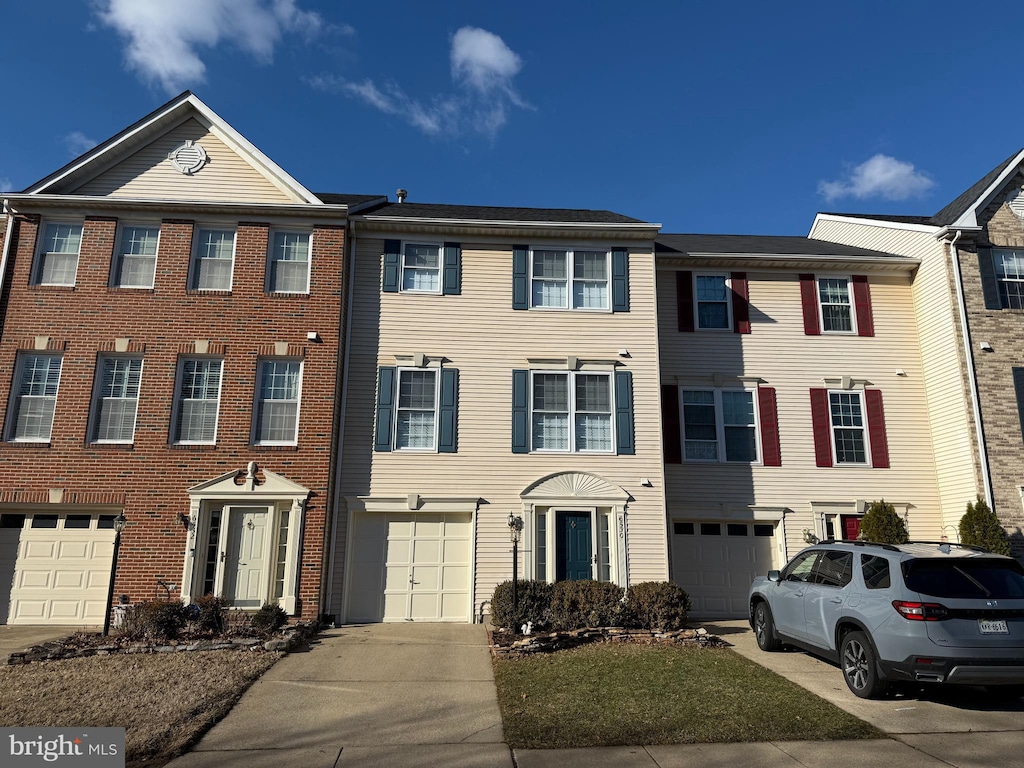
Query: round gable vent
{"points": [[1015, 199], [188, 158]]}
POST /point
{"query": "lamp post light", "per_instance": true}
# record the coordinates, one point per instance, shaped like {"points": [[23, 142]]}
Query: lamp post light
{"points": [[515, 529], [119, 523]]}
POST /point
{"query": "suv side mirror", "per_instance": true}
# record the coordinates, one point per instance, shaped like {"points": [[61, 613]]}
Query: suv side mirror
{"points": [[774, 575]]}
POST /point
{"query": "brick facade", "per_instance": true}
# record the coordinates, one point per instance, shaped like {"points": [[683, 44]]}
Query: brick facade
{"points": [[149, 478]]}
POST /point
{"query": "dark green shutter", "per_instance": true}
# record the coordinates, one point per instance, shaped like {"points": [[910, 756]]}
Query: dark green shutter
{"points": [[520, 411], [620, 280], [386, 377], [447, 413], [520, 277], [392, 265], [1018, 385], [451, 283], [624, 413], [989, 284]]}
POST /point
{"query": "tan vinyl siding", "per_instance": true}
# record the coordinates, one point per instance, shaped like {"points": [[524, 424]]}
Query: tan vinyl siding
{"points": [[150, 174], [942, 358], [781, 356], [480, 334]]}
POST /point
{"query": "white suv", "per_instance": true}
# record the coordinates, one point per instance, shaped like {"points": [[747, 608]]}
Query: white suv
{"points": [[922, 612]]}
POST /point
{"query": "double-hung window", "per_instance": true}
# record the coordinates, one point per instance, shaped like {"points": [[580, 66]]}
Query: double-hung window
{"points": [[421, 268], [117, 399], [562, 278], [58, 254], [289, 262], [213, 258], [846, 410], [571, 411], [277, 402], [713, 296], [836, 305], [719, 425], [135, 259], [1009, 266], [416, 412], [198, 401], [36, 382]]}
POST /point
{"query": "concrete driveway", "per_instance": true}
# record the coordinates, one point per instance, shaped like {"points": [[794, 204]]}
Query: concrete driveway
{"points": [[964, 727], [377, 695], [18, 638]]}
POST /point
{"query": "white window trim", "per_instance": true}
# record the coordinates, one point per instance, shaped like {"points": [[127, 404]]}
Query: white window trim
{"points": [[997, 254], [832, 429], [616, 546], [37, 271], [115, 264], [728, 302], [437, 403], [12, 410], [254, 439], [570, 252], [193, 267], [176, 411], [268, 287], [821, 309], [572, 410], [720, 424], [94, 414], [440, 267]]}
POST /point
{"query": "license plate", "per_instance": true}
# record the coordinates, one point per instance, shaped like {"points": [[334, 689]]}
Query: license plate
{"points": [[993, 627]]}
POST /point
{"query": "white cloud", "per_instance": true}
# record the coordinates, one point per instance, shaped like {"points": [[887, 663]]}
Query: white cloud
{"points": [[78, 143], [5, 185], [162, 36], [482, 68], [880, 176]]}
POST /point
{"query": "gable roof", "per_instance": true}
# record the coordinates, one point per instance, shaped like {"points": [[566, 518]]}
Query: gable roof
{"points": [[151, 127]]}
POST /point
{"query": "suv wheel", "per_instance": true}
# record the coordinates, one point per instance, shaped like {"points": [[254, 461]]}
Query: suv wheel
{"points": [[764, 628], [860, 667]]}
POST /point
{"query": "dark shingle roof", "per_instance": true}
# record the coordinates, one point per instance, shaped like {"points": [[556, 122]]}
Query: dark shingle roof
{"points": [[926, 220], [780, 245], [956, 209], [494, 213], [332, 198]]}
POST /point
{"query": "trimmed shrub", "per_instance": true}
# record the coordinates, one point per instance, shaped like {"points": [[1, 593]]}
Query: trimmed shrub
{"points": [[881, 524], [268, 619], [154, 620], [581, 604], [207, 614], [980, 527], [657, 605], [534, 605]]}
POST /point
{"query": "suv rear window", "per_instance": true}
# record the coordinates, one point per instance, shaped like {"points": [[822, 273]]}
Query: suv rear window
{"points": [[965, 578]]}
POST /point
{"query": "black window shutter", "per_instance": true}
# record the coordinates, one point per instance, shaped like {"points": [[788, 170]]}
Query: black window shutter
{"points": [[452, 279], [520, 411], [671, 429], [989, 284], [392, 265], [624, 414], [520, 277], [1018, 385], [386, 379], [620, 280], [448, 419]]}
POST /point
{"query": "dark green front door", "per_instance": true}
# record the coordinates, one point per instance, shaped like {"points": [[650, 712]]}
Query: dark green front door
{"points": [[574, 547]]}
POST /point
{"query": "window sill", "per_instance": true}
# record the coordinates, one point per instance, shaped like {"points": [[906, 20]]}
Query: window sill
{"points": [[47, 287], [583, 310], [27, 443], [192, 446], [112, 446], [258, 447], [208, 292], [286, 294], [130, 289]]}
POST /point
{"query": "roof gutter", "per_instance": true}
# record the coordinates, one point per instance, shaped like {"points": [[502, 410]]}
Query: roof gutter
{"points": [[311, 210], [972, 379], [625, 225]]}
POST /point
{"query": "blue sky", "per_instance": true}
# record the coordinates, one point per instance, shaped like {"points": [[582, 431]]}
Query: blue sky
{"points": [[706, 117]]}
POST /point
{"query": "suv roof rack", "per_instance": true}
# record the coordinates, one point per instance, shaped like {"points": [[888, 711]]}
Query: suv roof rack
{"points": [[953, 544], [860, 543]]}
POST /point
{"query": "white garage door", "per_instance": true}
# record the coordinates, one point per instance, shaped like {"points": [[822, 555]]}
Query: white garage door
{"points": [[55, 569], [409, 567], [716, 561]]}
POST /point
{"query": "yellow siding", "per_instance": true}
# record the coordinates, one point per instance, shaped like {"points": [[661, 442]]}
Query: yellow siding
{"points": [[778, 352], [942, 360], [480, 334], [149, 174]]}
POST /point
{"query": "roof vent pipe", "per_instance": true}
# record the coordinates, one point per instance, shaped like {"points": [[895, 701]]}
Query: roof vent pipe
{"points": [[401, 194]]}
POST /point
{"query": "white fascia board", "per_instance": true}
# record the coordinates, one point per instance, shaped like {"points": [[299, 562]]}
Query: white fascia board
{"points": [[158, 205], [969, 218], [854, 219]]}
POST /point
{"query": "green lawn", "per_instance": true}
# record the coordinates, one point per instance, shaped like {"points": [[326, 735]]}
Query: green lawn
{"points": [[605, 694]]}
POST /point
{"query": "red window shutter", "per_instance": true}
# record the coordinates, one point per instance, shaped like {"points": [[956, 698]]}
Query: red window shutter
{"points": [[671, 433], [822, 425], [876, 429], [771, 453], [740, 303], [684, 299], [809, 302], [862, 305]]}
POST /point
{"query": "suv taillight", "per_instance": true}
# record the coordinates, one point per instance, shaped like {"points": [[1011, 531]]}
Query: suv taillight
{"points": [[920, 611]]}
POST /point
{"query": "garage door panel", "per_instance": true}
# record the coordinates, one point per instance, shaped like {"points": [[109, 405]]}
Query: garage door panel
{"points": [[399, 551], [396, 578], [431, 526], [28, 611], [425, 577], [32, 579], [74, 550], [426, 551], [399, 529], [461, 529], [33, 549], [455, 577], [69, 579]]}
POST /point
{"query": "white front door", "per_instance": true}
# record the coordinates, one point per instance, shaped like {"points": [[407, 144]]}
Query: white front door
{"points": [[245, 562]]}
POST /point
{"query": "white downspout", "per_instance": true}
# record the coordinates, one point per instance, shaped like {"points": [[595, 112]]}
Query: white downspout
{"points": [[332, 555], [9, 213], [971, 377]]}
